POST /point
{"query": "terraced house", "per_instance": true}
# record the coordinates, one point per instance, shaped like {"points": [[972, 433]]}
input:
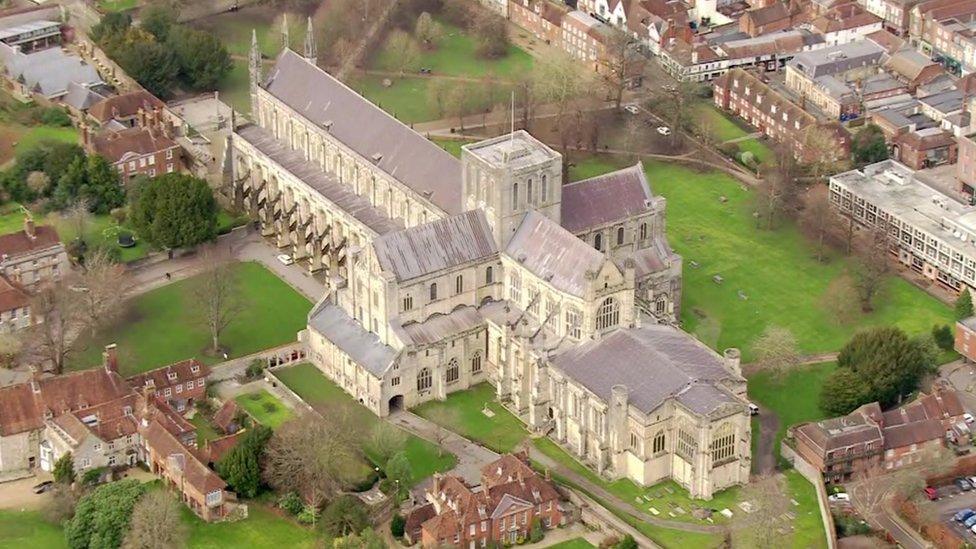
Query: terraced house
{"points": [[446, 273]]}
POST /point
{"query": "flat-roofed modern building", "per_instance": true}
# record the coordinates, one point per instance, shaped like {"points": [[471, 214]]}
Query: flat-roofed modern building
{"points": [[931, 231]]}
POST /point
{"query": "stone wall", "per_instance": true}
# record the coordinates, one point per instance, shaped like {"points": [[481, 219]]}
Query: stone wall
{"points": [[810, 473]]}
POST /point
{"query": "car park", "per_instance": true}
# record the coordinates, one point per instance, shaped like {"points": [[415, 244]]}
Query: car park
{"points": [[930, 493], [970, 522], [839, 498], [963, 514], [963, 484]]}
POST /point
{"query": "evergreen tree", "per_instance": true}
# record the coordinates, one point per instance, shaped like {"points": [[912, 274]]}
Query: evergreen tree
{"points": [[398, 468], [158, 19], [398, 525], [64, 469], [152, 64], [241, 467], [345, 515], [102, 516], [887, 360], [175, 211], [868, 146], [92, 179], [627, 543], [842, 392], [942, 334], [964, 305], [202, 58]]}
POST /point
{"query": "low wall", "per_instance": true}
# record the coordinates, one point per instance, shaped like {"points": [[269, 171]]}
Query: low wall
{"points": [[811, 473], [595, 516]]}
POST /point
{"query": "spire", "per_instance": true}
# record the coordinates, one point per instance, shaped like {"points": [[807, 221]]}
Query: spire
{"points": [[310, 52], [254, 63], [285, 40]]}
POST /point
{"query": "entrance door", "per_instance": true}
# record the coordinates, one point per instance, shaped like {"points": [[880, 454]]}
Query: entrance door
{"points": [[396, 403], [47, 457]]}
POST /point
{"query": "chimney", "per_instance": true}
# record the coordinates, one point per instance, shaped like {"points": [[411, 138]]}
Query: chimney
{"points": [[110, 358], [85, 136], [694, 55], [548, 476], [29, 229], [732, 360], [437, 483]]}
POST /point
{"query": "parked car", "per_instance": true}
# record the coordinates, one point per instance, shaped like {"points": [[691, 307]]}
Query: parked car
{"points": [[970, 522], [839, 498], [963, 514], [664, 130], [43, 487], [968, 417], [285, 259], [931, 493], [972, 529], [753, 409], [963, 484], [632, 109]]}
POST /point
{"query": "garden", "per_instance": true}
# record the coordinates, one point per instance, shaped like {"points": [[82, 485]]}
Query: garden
{"points": [[164, 325], [264, 408], [464, 413]]}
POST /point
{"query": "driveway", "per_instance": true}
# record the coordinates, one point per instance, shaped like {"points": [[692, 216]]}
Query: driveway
{"points": [[872, 499], [17, 495], [764, 462]]}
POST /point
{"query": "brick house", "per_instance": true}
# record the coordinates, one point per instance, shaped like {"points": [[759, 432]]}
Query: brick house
{"points": [[542, 18], [15, 311], [966, 338], [181, 384], [926, 148], [502, 509], [33, 255], [584, 38], [966, 174], [766, 19], [127, 110], [136, 151]]}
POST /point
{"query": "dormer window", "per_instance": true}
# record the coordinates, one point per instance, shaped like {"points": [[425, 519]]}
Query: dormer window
{"points": [[171, 376], [150, 382], [195, 368]]}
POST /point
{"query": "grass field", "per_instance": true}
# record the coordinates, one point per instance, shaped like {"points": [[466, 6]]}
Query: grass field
{"points": [[265, 408], [11, 218], [452, 146], [261, 529], [164, 325], [795, 397], [578, 543], [29, 529], [109, 6], [406, 99], [761, 151], [36, 134], [776, 270], [456, 56], [234, 87], [319, 392], [205, 430], [234, 29], [103, 228], [723, 127], [808, 526], [462, 413]]}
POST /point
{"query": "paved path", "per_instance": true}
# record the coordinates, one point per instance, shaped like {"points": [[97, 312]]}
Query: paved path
{"points": [[617, 502], [764, 462], [747, 137], [471, 457], [872, 498]]}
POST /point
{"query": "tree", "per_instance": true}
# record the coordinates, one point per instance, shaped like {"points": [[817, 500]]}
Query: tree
{"points": [[156, 523], [60, 506], [868, 146], [536, 533], [53, 338], [438, 93], [10, 349], [772, 197], [888, 361], [440, 417], [821, 154], [964, 305], [428, 31], [99, 285], [175, 211], [769, 498], [842, 392], [158, 18], [816, 218], [241, 467], [561, 81], [398, 525], [102, 516], [490, 34], [203, 59], [313, 458], [872, 265], [386, 441], [776, 350], [154, 65], [628, 542], [216, 296], [942, 335], [64, 469], [398, 469], [367, 539], [841, 300], [38, 183], [112, 24], [92, 179], [345, 515], [619, 64], [407, 52]]}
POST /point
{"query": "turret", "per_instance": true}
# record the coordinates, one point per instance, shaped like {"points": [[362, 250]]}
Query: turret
{"points": [[733, 360], [310, 49]]}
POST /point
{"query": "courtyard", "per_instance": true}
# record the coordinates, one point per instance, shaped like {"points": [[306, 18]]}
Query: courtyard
{"points": [[464, 413], [164, 325], [264, 408], [322, 394]]}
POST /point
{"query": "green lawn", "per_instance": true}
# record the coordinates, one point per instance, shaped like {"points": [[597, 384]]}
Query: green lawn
{"points": [[108, 6], [406, 99], [36, 134], [452, 146], [320, 393], [164, 325], [265, 408], [776, 270], [11, 218], [462, 413], [205, 430], [29, 529], [723, 127], [261, 529], [227, 221], [808, 526], [234, 28], [578, 543], [455, 56], [761, 151], [234, 88], [103, 228], [794, 398]]}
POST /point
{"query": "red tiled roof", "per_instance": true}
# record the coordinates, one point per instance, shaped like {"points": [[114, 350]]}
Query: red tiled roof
{"points": [[218, 447], [140, 141], [18, 243], [226, 414], [12, 295], [160, 376], [125, 105], [195, 472]]}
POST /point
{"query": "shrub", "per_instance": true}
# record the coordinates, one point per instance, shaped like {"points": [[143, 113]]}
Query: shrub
{"points": [[93, 476], [627, 543], [943, 337], [398, 525], [64, 469], [54, 116], [254, 368], [269, 407], [308, 515], [730, 150], [848, 525], [291, 503], [535, 531]]}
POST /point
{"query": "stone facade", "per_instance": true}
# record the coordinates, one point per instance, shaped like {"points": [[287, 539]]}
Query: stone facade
{"points": [[444, 274]]}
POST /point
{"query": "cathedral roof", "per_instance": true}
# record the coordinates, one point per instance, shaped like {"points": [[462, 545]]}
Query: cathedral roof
{"points": [[362, 346], [553, 253], [655, 363], [365, 128], [436, 245], [605, 199]]}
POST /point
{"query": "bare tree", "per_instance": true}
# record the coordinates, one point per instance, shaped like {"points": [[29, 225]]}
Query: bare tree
{"points": [[872, 265], [841, 300], [314, 457], [817, 217], [563, 83], [821, 153], [428, 31], [100, 286], [216, 296], [526, 96], [444, 418], [78, 218], [771, 198], [776, 350], [763, 528], [620, 64], [156, 523], [385, 440], [675, 105], [438, 92], [38, 182], [10, 348], [59, 311], [407, 51]]}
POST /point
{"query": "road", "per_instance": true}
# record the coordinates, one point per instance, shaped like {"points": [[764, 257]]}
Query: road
{"points": [[872, 499]]}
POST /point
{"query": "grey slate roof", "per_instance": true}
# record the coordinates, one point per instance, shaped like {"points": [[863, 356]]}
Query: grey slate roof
{"points": [[81, 97], [363, 347], [837, 59], [655, 363], [605, 199], [47, 72], [654, 258], [312, 175], [404, 154], [438, 326], [553, 253], [436, 245]]}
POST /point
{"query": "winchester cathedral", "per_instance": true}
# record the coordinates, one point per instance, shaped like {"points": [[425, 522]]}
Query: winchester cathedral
{"points": [[446, 273]]}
